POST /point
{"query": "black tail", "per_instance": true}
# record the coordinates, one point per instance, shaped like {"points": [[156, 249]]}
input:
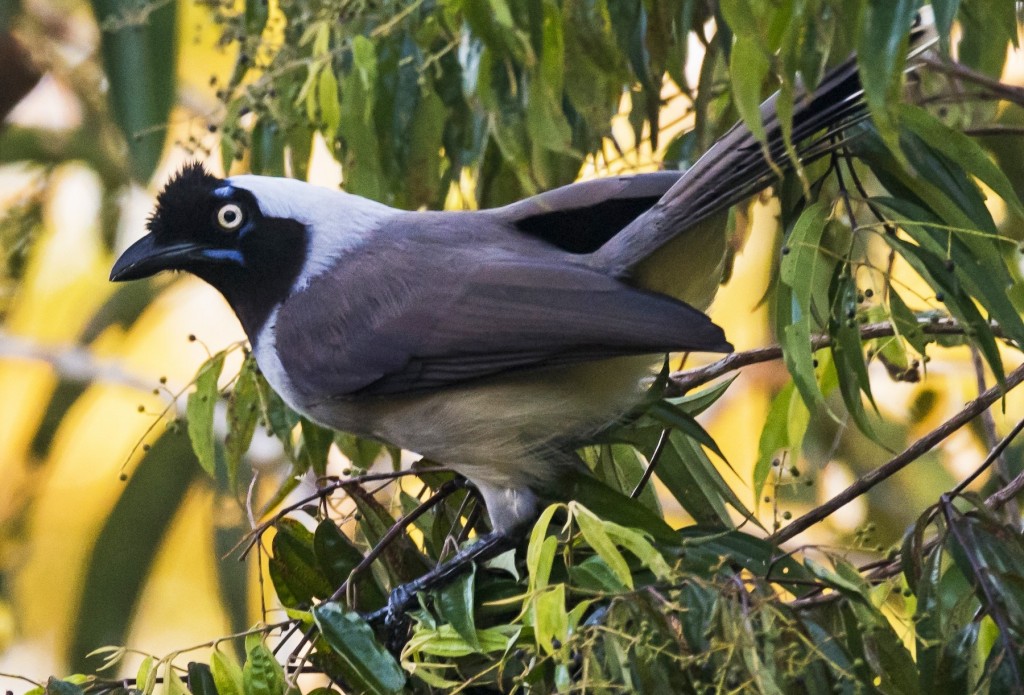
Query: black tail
{"points": [[736, 166]]}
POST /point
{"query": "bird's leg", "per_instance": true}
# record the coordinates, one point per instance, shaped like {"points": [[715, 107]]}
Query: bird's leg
{"points": [[402, 597]]}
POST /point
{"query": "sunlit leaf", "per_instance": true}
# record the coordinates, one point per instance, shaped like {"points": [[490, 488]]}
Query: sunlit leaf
{"points": [[200, 409], [262, 674], [243, 414], [227, 674], [455, 604]]}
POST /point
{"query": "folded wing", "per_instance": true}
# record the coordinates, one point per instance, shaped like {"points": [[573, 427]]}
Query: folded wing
{"points": [[478, 314]]}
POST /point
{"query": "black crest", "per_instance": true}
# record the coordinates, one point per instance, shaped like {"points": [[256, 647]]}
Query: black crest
{"points": [[180, 205]]}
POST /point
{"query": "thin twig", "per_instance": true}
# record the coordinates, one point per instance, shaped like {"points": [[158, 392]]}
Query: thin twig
{"points": [[901, 460], [321, 493], [71, 362], [961, 71], [392, 533], [888, 568], [684, 381], [988, 425], [995, 454], [655, 457]]}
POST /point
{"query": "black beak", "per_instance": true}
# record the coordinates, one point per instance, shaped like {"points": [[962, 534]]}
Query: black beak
{"points": [[146, 257]]}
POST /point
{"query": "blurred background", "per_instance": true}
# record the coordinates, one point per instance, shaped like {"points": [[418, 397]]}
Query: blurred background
{"points": [[109, 530]]}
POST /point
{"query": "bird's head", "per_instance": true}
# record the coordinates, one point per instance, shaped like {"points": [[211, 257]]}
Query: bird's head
{"points": [[251, 237]]}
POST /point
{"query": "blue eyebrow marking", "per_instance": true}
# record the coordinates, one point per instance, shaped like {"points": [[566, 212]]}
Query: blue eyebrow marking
{"points": [[225, 255], [224, 192]]}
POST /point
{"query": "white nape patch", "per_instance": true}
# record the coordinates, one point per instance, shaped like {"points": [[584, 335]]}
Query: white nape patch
{"points": [[336, 221]]}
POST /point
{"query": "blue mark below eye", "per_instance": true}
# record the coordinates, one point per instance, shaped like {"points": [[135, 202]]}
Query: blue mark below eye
{"points": [[225, 255]]}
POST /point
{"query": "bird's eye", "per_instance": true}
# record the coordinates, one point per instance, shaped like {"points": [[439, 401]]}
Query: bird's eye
{"points": [[230, 217]]}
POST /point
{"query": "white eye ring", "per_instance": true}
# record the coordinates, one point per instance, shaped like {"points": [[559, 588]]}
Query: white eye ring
{"points": [[230, 217]]}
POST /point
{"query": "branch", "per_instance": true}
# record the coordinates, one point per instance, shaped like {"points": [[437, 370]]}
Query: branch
{"points": [[71, 362], [900, 461], [962, 72], [890, 567], [683, 381]]}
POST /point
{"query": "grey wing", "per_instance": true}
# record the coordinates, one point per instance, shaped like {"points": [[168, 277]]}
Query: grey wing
{"points": [[499, 316]]}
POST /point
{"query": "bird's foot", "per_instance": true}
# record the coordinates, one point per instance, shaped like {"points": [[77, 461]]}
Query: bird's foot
{"points": [[396, 619]]}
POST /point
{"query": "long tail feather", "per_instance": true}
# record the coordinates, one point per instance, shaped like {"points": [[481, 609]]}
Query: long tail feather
{"points": [[737, 166]]}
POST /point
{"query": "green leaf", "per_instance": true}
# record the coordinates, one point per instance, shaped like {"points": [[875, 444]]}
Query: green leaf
{"points": [[847, 352], [330, 107], [933, 270], [294, 568], [145, 677], [638, 544], [368, 667], [139, 57], [455, 605], [55, 686], [988, 26], [597, 538], [976, 265], [617, 507], [906, 322], [540, 551], [881, 55], [782, 430], [262, 675], [338, 556], [695, 482], [594, 574], [200, 409], [200, 679], [243, 414], [316, 445], [696, 403], [960, 149], [802, 269], [945, 13], [227, 674], [748, 68], [256, 14], [761, 558], [266, 147], [551, 620], [685, 423]]}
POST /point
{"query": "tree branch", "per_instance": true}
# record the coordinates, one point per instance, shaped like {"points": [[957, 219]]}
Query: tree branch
{"points": [[71, 362], [683, 381], [962, 72], [900, 461]]}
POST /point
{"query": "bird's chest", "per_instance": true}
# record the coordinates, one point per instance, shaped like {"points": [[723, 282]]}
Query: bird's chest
{"points": [[312, 397]]}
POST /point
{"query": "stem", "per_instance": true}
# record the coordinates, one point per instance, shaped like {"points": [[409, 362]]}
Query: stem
{"points": [[684, 381], [901, 460]]}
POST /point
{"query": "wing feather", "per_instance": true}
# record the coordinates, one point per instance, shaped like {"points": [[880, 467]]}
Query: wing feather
{"points": [[447, 315]]}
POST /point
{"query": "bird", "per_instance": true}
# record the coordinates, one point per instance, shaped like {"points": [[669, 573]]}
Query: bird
{"points": [[493, 341]]}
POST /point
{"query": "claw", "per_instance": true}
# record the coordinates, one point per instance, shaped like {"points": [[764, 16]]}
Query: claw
{"points": [[394, 616], [396, 621]]}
